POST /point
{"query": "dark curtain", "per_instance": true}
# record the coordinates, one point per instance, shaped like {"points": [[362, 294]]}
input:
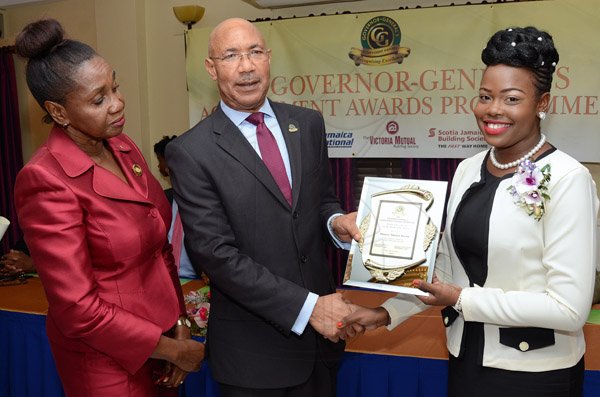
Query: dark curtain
{"points": [[342, 171], [11, 155], [431, 169]]}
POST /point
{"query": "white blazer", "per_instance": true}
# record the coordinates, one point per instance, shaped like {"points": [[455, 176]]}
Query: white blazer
{"points": [[539, 287]]}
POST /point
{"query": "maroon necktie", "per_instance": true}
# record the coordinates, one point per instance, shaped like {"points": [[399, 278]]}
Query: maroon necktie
{"points": [[270, 154]]}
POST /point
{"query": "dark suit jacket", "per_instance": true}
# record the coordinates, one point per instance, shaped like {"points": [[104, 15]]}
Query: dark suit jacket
{"points": [[262, 256]]}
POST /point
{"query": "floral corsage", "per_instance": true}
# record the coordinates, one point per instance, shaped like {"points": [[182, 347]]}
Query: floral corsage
{"points": [[529, 188], [198, 308]]}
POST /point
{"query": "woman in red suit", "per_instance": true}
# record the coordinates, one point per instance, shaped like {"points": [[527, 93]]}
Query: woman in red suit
{"points": [[96, 220]]}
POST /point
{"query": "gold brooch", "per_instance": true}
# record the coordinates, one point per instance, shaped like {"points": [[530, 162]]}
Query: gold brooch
{"points": [[292, 128], [137, 170]]}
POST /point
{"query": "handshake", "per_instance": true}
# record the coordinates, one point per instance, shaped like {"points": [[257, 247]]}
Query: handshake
{"points": [[336, 318]]}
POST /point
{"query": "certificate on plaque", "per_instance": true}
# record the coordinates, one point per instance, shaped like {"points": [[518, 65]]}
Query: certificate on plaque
{"points": [[399, 220]]}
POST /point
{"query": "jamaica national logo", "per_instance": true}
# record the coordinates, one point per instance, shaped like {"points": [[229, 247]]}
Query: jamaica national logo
{"points": [[380, 40]]}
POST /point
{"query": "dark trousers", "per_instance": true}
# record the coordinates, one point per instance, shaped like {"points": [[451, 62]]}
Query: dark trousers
{"points": [[321, 383]]}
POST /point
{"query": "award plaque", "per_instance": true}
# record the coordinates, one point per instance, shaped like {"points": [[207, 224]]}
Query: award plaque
{"points": [[4, 223], [399, 220]]}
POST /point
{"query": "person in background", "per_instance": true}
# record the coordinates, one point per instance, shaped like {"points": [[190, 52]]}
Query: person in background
{"points": [[159, 151], [516, 266], [176, 237], [95, 221], [255, 194], [16, 261]]}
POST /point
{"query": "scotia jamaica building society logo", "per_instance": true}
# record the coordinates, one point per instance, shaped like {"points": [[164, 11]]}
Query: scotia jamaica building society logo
{"points": [[380, 40]]}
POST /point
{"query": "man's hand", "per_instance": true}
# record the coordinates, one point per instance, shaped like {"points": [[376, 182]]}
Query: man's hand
{"points": [[344, 226], [328, 312], [363, 319]]}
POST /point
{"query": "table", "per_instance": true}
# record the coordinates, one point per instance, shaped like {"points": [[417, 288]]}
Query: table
{"points": [[409, 361]]}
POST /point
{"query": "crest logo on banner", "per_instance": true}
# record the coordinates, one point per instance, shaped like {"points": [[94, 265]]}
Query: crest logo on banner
{"points": [[380, 40]]}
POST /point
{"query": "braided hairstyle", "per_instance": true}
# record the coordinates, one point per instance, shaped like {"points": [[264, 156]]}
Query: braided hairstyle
{"points": [[527, 48], [52, 60]]}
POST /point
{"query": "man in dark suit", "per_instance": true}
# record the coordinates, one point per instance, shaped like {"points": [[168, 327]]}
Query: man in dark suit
{"points": [[256, 217]]}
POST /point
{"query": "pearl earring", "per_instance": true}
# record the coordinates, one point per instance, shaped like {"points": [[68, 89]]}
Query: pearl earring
{"points": [[542, 115]]}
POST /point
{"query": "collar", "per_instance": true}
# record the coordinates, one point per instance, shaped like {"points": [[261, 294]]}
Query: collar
{"points": [[71, 158], [238, 117]]}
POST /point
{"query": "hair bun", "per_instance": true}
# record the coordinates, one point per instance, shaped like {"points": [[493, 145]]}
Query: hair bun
{"points": [[39, 38], [526, 47], [522, 47]]}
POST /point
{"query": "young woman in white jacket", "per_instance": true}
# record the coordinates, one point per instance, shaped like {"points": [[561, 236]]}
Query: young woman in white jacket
{"points": [[516, 264]]}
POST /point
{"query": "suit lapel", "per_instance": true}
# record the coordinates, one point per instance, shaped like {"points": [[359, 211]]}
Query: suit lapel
{"points": [[291, 131], [132, 167], [75, 163], [231, 140]]}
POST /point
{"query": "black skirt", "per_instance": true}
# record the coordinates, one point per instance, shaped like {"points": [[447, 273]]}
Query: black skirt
{"points": [[468, 378]]}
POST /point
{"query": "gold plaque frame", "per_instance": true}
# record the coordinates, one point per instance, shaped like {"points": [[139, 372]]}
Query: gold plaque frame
{"points": [[400, 221]]}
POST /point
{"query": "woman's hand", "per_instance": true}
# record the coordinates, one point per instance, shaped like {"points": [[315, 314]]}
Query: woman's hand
{"points": [[189, 355], [174, 375], [440, 294], [15, 262], [182, 354]]}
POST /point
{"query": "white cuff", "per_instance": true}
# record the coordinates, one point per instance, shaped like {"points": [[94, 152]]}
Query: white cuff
{"points": [[401, 308], [305, 312], [338, 243]]}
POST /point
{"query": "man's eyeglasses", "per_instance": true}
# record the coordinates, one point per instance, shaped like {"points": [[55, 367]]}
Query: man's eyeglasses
{"points": [[236, 57]]}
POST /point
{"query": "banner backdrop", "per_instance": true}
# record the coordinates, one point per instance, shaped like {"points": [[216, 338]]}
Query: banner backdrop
{"points": [[403, 83]]}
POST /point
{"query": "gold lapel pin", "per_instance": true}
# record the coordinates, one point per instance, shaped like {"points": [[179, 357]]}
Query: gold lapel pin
{"points": [[137, 170], [292, 128]]}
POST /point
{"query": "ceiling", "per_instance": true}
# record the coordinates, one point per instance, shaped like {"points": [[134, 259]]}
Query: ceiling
{"points": [[257, 3], [8, 3], [289, 3]]}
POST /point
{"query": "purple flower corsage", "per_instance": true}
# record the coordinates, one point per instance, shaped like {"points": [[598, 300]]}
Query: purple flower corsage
{"points": [[529, 188]]}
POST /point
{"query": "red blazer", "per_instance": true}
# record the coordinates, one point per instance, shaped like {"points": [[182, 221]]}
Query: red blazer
{"points": [[100, 248]]}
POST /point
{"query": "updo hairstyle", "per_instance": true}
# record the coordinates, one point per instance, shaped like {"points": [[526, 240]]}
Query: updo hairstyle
{"points": [[52, 60], [527, 48]]}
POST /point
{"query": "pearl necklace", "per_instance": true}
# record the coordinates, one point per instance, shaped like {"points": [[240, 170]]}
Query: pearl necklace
{"points": [[506, 166]]}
